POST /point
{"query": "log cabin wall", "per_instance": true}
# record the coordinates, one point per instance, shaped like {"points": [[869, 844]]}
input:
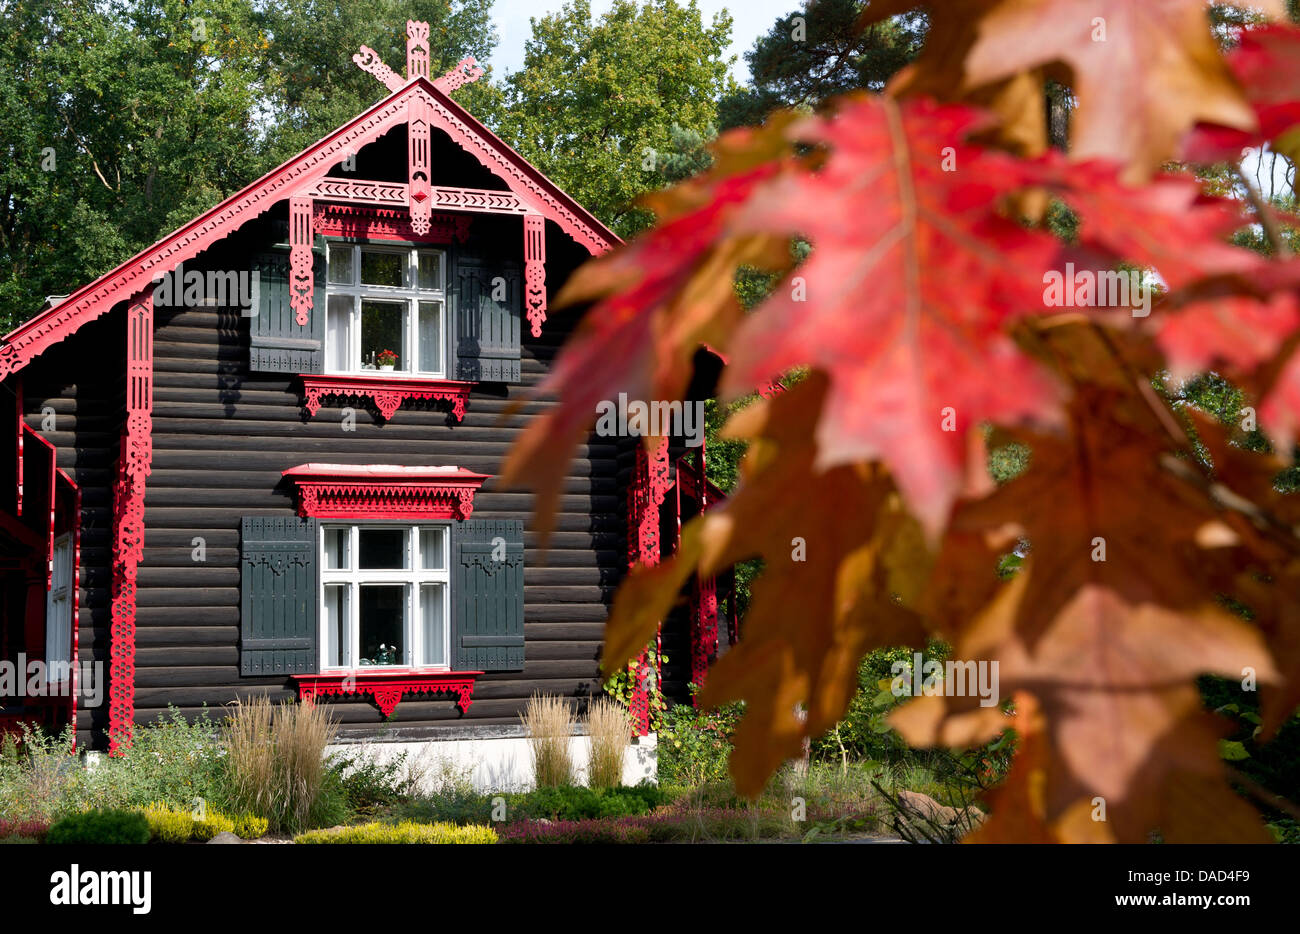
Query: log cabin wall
{"points": [[73, 395]]}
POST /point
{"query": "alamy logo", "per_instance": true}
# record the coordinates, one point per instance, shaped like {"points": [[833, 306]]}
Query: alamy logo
{"points": [[917, 678], [210, 288], [640, 419], [1107, 288], [35, 677], [105, 887]]}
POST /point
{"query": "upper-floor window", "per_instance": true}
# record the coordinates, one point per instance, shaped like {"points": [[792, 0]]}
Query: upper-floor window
{"points": [[386, 311]]}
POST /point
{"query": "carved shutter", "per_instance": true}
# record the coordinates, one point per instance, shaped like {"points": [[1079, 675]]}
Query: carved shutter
{"points": [[489, 303], [278, 582], [278, 344], [487, 624]]}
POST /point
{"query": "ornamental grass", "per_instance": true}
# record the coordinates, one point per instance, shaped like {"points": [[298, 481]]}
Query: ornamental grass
{"points": [[607, 725], [549, 725], [276, 760]]}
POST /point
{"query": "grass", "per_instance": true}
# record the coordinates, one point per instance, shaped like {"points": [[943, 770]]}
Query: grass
{"points": [[549, 725], [607, 725]]}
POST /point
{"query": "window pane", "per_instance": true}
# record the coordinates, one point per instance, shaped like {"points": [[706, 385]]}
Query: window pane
{"points": [[382, 327], [340, 265], [338, 333], [430, 270], [430, 337], [433, 549], [383, 624], [337, 644], [382, 268], [336, 549], [433, 619], [383, 549]]}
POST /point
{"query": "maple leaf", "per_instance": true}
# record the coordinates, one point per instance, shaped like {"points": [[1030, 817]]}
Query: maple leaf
{"points": [[840, 568], [657, 301], [912, 278], [1120, 591], [1239, 330], [1266, 62], [1144, 73]]}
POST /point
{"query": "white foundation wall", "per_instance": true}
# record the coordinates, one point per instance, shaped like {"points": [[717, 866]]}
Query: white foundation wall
{"points": [[493, 763]]}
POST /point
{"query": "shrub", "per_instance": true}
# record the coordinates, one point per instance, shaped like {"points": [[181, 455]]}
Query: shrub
{"points": [[34, 829], [112, 826], [578, 803], [584, 831], [369, 785], [168, 826], [18, 839], [277, 767], [36, 775], [694, 744], [172, 761], [405, 832], [549, 728], [249, 826], [213, 823], [608, 727]]}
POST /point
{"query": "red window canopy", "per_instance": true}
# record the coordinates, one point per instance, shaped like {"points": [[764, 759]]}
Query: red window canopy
{"points": [[384, 491]]}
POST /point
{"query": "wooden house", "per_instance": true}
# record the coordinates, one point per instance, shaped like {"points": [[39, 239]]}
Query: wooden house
{"points": [[258, 456]]}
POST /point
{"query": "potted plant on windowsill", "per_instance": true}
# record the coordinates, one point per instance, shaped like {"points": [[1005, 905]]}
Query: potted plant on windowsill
{"points": [[386, 359]]}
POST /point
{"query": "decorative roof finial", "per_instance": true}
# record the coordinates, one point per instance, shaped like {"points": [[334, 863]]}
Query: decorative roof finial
{"points": [[466, 71]]}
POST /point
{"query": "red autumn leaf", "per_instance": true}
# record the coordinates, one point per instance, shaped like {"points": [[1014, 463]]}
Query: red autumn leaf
{"points": [[1267, 64], [912, 279]]}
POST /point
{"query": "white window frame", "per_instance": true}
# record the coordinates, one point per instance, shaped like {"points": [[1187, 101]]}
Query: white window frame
{"points": [[411, 578], [58, 611], [408, 293]]}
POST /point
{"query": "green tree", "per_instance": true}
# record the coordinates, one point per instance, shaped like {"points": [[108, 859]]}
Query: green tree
{"points": [[816, 52], [595, 103]]}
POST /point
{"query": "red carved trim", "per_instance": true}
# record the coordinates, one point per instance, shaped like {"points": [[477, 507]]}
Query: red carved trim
{"points": [[373, 223], [296, 177], [417, 49], [387, 688], [301, 280], [535, 270], [18, 403], [368, 60], [387, 393], [467, 70], [134, 465], [365, 192], [646, 495], [380, 491], [417, 144]]}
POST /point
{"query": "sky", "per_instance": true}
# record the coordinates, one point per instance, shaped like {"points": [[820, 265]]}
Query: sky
{"points": [[750, 19]]}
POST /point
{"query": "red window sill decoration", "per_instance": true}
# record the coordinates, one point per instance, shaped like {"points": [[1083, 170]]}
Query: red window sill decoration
{"points": [[383, 491], [388, 687], [386, 392]]}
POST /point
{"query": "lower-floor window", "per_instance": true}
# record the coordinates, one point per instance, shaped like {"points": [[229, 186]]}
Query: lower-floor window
{"points": [[385, 598], [58, 612]]}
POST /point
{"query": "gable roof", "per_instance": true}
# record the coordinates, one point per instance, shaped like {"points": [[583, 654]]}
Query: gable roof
{"points": [[131, 278]]}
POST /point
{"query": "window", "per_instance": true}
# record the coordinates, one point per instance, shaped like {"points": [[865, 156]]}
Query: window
{"points": [[58, 613], [384, 596], [385, 311]]}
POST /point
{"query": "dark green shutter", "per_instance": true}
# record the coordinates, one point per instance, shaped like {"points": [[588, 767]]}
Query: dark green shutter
{"points": [[487, 595], [487, 329], [278, 344], [278, 583]]}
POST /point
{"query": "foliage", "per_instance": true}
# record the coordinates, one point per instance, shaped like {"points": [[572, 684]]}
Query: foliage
{"points": [[26, 829], [819, 51], [405, 832], [621, 683], [668, 827], [596, 102], [277, 767], [369, 785], [694, 744], [549, 727], [929, 316], [168, 826], [106, 826]]}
